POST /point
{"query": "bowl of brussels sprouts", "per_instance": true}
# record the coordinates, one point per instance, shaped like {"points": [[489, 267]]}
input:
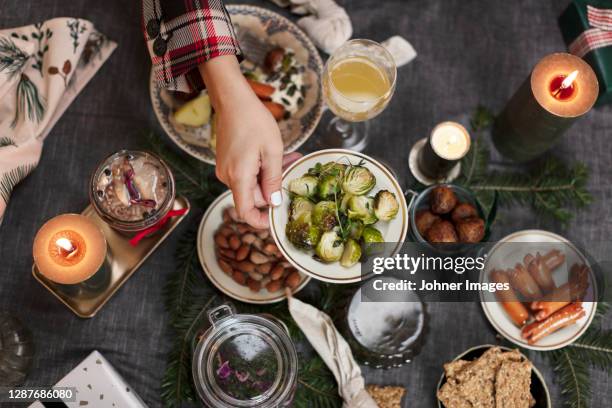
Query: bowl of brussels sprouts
{"points": [[338, 204]]}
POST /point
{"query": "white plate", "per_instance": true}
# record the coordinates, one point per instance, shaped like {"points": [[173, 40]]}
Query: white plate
{"points": [[506, 256], [258, 30], [393, 231], [208, 259]]}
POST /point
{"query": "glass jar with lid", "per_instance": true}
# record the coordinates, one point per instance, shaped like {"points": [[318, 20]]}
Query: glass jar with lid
{"points": [[244, 360]]}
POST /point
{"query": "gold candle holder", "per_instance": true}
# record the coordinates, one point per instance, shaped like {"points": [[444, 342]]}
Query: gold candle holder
{"points": [[560, 89]]}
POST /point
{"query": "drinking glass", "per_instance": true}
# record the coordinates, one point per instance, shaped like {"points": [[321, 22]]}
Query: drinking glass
{"points": [[358, 82]]}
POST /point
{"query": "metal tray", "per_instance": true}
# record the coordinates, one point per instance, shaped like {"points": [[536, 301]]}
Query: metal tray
{"points": [[87, 298]]}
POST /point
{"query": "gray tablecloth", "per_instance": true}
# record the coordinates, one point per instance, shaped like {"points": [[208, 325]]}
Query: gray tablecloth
{"points": [[470, 52]]}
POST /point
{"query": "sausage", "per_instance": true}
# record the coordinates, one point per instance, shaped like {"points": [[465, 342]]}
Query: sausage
{"points": [[515, 309], [571, 291], [553, 259], [543, 309], [539, 271], [263, 91], [562, 318], [523, 282]]}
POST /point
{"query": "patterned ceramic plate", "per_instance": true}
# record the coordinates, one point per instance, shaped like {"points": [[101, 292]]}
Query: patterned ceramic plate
{"points": [[206, 252], [258, 31], [393, 231], [503, 256]]}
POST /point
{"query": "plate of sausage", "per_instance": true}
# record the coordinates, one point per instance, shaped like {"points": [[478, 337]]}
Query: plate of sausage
{"points": [[546, 293]]}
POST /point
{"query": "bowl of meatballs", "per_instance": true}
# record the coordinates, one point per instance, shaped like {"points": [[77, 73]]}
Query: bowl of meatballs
{"points": [[447, 214]]}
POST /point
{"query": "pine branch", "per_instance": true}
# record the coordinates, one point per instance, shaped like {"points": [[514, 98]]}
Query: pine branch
{"points": [[572, 375], [12, 58], [551, 188], [594, 348], [6, 141], [179, 289], [316, 386], [11, 178]]}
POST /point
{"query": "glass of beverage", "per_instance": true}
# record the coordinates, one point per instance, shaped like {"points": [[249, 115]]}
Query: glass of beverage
{"points": [[358, 82]]}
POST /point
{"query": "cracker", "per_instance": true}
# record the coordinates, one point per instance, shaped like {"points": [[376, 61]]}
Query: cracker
{"points": [[386, 396], [512, 384]]}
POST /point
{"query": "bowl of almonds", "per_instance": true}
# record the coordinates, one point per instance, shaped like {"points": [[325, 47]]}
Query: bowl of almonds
{"points": [[243, 262]]}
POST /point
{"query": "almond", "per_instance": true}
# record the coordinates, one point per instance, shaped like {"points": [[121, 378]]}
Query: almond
{"points": [[274, 286], [239, 277], [277, 272], [254, 285], [234, 242], [293, 280], [242, 253], [258, 258]]}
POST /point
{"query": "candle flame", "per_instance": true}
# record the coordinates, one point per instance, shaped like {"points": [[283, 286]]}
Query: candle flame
{"points": [[67, 246], [567, 82]]}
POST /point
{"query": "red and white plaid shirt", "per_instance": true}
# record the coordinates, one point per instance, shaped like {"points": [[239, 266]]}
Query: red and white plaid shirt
{"points": [[182, 34]]}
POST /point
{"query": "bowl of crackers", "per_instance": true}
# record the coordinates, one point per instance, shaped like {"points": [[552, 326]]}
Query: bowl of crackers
{"points": [[492, 376]]}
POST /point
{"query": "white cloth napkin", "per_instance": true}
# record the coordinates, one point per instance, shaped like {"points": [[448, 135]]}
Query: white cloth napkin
{"points": [[43, 67], [326, 23], [335, 352]]}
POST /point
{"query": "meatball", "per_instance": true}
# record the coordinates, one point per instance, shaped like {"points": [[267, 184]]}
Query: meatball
{"points": [[442, 200], [441, 231], [471, 229], [463, 211], [424, 220]]}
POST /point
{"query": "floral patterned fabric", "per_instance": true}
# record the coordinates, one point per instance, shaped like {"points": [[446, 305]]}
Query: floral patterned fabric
{"points": [[43, 67]]}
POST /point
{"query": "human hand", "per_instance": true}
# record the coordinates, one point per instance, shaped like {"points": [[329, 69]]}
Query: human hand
{"points": [[249, 145]]}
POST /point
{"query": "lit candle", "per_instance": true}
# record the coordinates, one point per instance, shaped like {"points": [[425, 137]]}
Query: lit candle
{"points": [[447, 144], [560, 89], [69, 249]]}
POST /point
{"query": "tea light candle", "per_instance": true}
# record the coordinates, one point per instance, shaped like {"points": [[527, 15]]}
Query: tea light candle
{"points": [[561, 88], [69, 249], [447, 144]]}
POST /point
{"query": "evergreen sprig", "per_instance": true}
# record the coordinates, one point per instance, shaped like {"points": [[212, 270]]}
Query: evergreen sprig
{"points": [[317, 386], [571, 364], [550, 187]]}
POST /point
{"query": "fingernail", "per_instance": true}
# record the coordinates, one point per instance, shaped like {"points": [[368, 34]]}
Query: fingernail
{"points": [[276, 198]]}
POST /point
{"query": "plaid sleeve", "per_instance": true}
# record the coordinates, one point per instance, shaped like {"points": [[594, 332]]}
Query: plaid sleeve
{"points": [[182, 34]]}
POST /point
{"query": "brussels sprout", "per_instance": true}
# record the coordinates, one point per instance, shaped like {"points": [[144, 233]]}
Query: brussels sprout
{"points": [[324, 215], [301, 206], [372, 235], [305, 186], [362, 208], [355, 229], [330, 247], [358, 180], [385, 205], [351, 254], [328, 187], [302, 233], [333, 168], [344, 202]]}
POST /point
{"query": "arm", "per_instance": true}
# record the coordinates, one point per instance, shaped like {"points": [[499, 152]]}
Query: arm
{"points": [[196, 46]]}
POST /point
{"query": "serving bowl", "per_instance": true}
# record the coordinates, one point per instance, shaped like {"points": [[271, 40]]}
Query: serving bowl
{"points": [[539, 389], [511, 250], [258, 30], [394, 231], [421, 202], [208, 259]]}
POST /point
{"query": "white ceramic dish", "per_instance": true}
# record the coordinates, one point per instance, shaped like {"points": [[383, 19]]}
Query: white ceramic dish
{"points": [[393, 231], [258, 30], [208, 259], [506, 256]]}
